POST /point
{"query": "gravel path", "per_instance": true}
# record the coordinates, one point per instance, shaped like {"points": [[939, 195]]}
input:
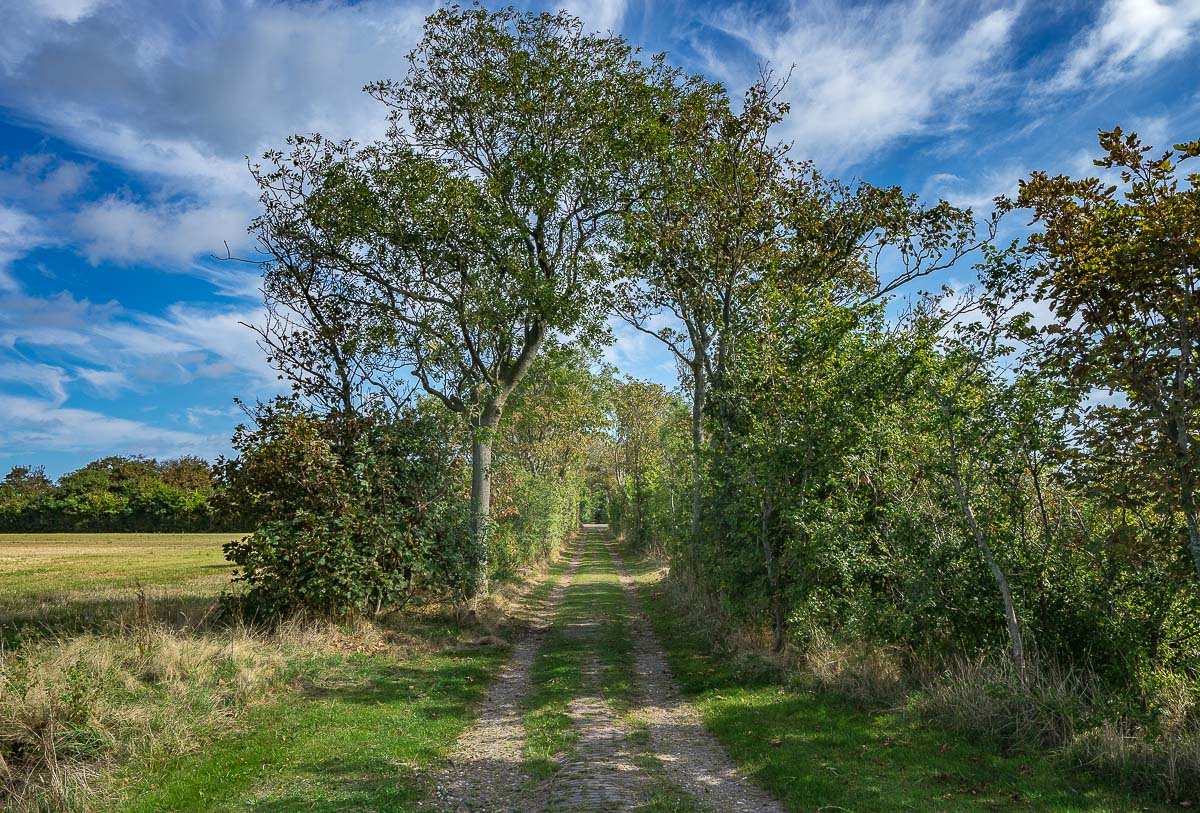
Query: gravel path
{"points": [[608, 770], [692, 758], [485, 770]]}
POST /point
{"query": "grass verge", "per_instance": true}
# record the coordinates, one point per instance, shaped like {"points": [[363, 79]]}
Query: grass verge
{"points": [[358, 735], [819, 752]]}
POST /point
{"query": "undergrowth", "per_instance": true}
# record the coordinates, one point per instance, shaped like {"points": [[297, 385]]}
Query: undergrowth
{"points": [[1057, 711]]}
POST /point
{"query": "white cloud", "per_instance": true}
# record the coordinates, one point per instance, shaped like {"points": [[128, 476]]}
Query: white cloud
{"points": [[181, 94], [864, 77], [33, 425], [19, 234], [48, 380], [122, 230], [42, 180], [220, 332], [1129, 37], [599, 15], [105, 382], [977, 192], [187, 92], [67, 11], [112, 349]]}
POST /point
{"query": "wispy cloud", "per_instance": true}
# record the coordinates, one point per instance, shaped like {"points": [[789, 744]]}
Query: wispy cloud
{"points": [[1128, 38], [114, 349], [45, 379], [187, 91], [599, 15], [20, 233], [33, 425], [863, 77]]}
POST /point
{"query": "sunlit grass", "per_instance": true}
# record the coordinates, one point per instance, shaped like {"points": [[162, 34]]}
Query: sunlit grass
{"points": [[818, 752]]}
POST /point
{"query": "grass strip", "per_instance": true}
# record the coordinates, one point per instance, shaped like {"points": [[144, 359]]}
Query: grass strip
{"points": [[590, 622], [356, 736], [821, 753]]}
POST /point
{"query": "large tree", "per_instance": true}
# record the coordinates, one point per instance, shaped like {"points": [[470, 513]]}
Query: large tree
{"points": [[454, 246], [729, 210], [1120, 265]]}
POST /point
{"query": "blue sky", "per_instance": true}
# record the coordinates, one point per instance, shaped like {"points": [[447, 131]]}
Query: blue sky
{"points": [[124, 126]]}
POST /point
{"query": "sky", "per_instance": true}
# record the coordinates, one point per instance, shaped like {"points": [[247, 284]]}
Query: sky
{"points": [[125, 127]]}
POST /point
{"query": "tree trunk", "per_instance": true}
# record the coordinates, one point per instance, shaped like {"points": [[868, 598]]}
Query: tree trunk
{"points": [[1187, 487], [1010, 609], [481, 492], [1193, 526], [699, 394]]}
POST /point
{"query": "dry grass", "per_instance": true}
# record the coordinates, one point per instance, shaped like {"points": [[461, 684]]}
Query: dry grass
{"points": [[986, 697], [1167, 763], [1060, 711], [1064, 711], [869, 675], [32, 565], [72, 707]]}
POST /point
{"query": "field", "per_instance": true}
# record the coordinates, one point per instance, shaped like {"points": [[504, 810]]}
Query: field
{"points": [[37, 564], [118, 676], [121, 700], [52, 583]]}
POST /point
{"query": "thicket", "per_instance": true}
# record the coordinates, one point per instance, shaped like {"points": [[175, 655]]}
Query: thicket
{"points": [[114, 494], [940, 491], [360, 513]]}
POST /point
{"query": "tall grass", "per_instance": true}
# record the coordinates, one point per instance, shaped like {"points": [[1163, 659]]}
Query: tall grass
{"points": [[1072, 714], [1058, 710], [73, 707]]}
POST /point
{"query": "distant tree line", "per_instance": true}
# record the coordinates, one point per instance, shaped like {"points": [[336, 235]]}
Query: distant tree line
{"points": [[115, 494]]}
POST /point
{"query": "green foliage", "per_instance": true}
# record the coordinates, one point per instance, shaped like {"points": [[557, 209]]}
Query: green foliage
{"points": [[1120, 266], [113, 494], [453, 248], [648, 481], [942, 481], [352, 514], [555, 417]]}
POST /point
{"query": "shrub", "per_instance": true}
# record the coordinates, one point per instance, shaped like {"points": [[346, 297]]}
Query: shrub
{"points": [[354, 514]]}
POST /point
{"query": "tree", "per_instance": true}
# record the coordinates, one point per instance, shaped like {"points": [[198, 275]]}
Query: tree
{"points": [[556, 412], [710, 224], [642, 414], [454, 246], [189, 473], [27, 482], [729, 209], [969, 400], [1120, 264]]}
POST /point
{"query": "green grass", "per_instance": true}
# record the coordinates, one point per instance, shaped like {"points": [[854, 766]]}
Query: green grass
{"points": [[33, 564], [593, 597], [556, 677], [357, 735], [53, 584], [821, 753]]}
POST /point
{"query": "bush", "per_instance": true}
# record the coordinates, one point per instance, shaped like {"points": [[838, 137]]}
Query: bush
{"points": [[353, 514], [531, 517]]}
